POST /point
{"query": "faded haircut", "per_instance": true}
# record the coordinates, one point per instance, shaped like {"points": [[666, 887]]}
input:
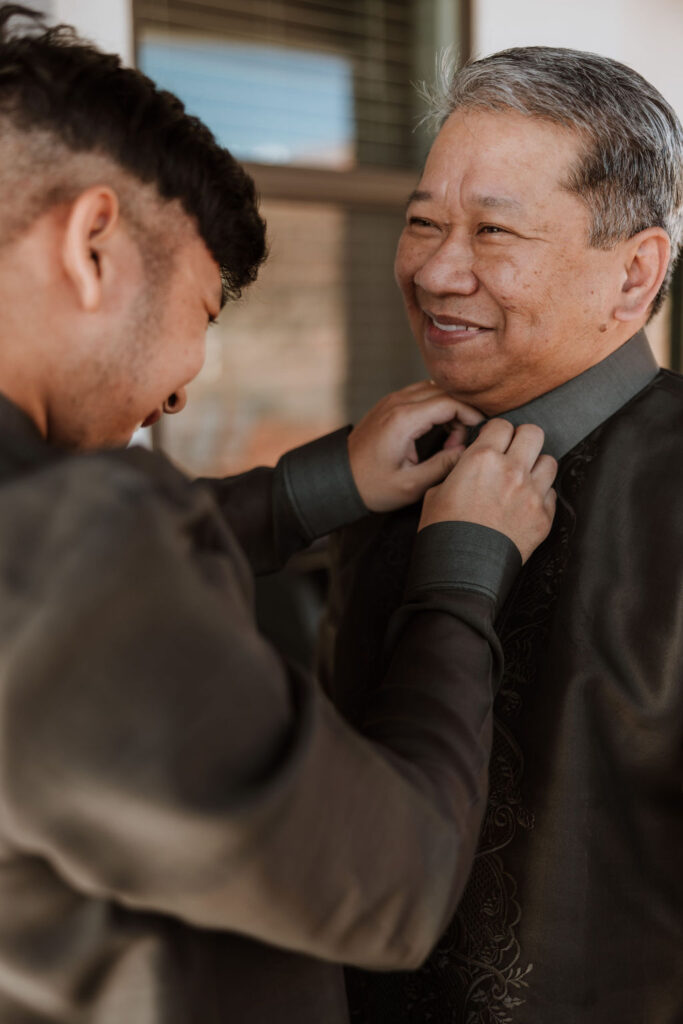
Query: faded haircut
{"points": [[72, 116], [630, 171]]}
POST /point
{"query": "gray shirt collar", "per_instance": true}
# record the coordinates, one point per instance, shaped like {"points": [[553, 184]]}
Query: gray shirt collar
{"points": [[573, 410]]}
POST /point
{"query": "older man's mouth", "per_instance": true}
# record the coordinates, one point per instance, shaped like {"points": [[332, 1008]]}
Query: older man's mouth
{"points": [[448, 330]]}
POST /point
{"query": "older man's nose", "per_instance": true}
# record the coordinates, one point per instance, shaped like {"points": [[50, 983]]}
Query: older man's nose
{"points": [[447, 270]]}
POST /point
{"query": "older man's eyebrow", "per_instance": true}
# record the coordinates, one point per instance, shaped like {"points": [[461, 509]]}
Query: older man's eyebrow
{"points": [[418, 195], [489, 202], [497, 202]]}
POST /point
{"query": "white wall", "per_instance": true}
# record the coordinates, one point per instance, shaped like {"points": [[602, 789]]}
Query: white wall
{"points": [[107, 23], [645, 34]]}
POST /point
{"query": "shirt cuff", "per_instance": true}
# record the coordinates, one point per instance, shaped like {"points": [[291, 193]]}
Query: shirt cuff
{"points": [[463, 556], [320, 485]]}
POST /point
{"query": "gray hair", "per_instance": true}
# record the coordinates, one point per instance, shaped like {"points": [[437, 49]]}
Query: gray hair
{"points": [[630, 173]]}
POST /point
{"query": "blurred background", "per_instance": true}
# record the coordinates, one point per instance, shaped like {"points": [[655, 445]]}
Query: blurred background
{"points": [[317, 97]]}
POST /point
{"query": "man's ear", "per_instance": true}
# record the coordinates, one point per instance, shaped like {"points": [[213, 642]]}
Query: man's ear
{"points": [[92, 220], [646, 260]]}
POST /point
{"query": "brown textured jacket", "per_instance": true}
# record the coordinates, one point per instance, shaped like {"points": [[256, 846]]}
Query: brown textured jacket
{"points": [[189, 833]]}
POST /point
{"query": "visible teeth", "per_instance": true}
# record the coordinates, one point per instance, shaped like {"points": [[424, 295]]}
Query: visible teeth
{"points": [[452, 327]]}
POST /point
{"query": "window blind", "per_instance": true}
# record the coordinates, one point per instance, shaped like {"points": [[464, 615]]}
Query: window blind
{"points": [[374, 40]]}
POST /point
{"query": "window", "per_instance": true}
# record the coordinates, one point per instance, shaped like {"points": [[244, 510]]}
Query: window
{"points": [[316, 97]]}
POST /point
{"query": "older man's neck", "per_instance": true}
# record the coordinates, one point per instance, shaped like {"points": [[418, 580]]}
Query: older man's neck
{"points": [[512, 393]]}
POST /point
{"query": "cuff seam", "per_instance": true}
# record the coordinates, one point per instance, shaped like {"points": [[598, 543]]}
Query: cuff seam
{"points": [[319, 484], [473, 557], [477, 588], [292, 495]]}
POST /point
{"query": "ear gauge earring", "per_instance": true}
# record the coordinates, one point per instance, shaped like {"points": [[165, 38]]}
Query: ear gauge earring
{"points": [[176, 402]]}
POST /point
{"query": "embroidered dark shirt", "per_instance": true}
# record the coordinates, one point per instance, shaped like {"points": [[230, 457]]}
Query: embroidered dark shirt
{"points": [[573, 913]]}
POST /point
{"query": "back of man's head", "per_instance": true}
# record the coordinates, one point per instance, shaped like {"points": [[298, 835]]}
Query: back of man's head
{"points": [[71, 116], [630, 170]]}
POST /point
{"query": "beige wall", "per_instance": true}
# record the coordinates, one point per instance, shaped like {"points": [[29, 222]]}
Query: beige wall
{"points": [[645, 34]]}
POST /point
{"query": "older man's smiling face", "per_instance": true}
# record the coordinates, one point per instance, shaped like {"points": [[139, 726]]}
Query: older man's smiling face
{"points": [[504, 294]]}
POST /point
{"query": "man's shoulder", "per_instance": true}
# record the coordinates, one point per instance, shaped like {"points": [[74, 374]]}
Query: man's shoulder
{"points": [[657, 410], [114, 475], [73, 501], [629, 469], [670, 382]]}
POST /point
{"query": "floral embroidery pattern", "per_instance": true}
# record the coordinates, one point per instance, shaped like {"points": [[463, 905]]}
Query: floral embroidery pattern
{"points": [[493, 971]]}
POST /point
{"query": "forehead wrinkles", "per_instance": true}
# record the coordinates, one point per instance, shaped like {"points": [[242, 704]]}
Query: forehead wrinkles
{"points": [[500, 157]]}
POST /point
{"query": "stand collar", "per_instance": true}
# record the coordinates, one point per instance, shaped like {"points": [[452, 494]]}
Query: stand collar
{"points": [[572, 411]]}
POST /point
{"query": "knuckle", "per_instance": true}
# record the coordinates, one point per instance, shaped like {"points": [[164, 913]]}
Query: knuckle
{"points": [[531, 432], [408, 487], [534, 503], [393, 413], [485, 454], [517, 478], [548, 464], [514, 481], [497, 427]]}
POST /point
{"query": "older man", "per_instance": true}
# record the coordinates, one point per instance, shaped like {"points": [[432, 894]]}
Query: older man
{"points": [[537, 244]]}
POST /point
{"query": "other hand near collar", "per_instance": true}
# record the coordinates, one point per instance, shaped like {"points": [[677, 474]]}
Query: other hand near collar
{"points": [[382, 450], [502, 481]]}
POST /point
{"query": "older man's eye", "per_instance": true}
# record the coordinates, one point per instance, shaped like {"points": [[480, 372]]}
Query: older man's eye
{"points": [[420, 222], [491, 229]]}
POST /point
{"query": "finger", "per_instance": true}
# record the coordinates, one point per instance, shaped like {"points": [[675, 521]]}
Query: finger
{"points": [[544, 471], [410, 393], [421, 416], [550, 503], [468, 414], [432, 471], [464, 413], [427, 390], [457, 436], [497, 434], [425, 387], [527, 444]]}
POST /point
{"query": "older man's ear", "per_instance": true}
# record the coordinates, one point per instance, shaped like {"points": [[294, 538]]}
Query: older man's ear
{"points": [[645, 264]]}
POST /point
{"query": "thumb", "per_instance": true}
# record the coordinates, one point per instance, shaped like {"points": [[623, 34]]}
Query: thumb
{"points": [[437, 468]]}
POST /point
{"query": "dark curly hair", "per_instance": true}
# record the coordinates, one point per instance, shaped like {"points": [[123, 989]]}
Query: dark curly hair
{"points": [[54, 84]]}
